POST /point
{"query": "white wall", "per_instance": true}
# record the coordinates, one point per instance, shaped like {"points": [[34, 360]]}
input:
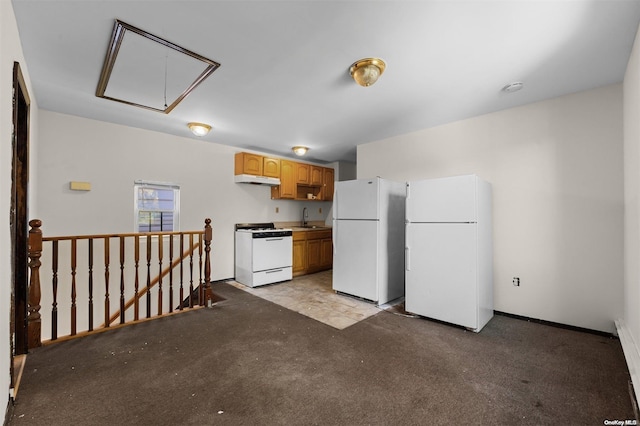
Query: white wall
{"points": [[10, 51], [556, 171], [111, 157], [629, 324]]}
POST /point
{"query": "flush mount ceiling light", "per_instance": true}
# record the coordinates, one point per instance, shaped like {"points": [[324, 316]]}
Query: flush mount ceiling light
{"points": [[513, 87], [366, 71], [199, 129], [300, 150]]}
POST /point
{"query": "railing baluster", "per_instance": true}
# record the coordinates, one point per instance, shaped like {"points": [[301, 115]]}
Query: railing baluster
{"points": [[171, 274], [160, 243], [191, 271], [136, 302], [208, 236], [148, 276], [181, 272], [121, 280], [200, 282], [73, 286], [90, 244], [54, 310], [107, 306]]}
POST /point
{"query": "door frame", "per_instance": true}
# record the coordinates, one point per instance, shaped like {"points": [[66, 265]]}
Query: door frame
{"points": [[18, 218]]}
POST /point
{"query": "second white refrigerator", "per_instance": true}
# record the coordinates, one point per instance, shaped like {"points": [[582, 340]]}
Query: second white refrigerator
{"points": [[368, 239], [449, 260]]}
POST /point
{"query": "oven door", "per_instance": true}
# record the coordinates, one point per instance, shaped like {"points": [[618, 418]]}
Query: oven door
{"points": [[272, 253]]}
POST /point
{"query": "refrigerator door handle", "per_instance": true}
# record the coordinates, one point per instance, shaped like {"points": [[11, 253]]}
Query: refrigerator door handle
{"points": [[335, 237], [407, 259]]}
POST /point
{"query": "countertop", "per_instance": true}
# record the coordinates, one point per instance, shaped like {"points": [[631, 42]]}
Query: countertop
{"points": [[297, 226]]}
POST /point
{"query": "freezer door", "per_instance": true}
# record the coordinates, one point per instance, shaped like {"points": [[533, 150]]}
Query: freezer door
{"points": [[356, 199], [450, 199], [441, 272], [355, 258]]}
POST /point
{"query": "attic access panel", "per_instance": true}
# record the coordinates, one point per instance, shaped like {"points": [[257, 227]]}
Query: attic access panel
{"points": [[146, 71]]}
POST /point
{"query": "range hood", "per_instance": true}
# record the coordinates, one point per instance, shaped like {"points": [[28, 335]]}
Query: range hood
{"points": [[257, 180]]}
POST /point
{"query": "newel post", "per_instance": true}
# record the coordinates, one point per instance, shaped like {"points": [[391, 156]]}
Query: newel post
{"points": [[208, 236], [35, 251]]}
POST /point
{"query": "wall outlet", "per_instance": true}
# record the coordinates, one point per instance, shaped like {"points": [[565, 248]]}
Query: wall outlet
{"points": [[277, 209], [320, 210], [516, 281]]}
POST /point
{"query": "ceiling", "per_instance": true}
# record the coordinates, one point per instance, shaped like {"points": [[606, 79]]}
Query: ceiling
{"points": [[284, 78]]}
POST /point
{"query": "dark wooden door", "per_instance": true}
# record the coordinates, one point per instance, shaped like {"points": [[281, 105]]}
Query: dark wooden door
{"points": [[19, 214]]}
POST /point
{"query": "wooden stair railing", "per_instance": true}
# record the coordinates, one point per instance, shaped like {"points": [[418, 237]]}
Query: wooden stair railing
{"points": [[129, 278], [167, 271]]}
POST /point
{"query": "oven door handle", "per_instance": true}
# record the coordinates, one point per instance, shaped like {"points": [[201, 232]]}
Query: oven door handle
{"points": [[274, 239]]}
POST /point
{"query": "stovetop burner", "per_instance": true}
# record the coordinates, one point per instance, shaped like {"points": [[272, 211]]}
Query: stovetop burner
{"points": [[255, 226]]}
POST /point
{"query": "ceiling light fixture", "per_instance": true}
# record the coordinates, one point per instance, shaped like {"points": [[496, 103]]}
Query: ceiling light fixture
{"points": [[366, 71], [199, 129], [513, 87], [300, 150]]}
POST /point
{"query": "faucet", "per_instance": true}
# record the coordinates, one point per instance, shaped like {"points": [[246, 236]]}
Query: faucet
{"points": [[305, 216]]}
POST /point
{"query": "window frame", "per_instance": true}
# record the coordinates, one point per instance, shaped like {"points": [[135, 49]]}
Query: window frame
{"points": [[141, 184]]}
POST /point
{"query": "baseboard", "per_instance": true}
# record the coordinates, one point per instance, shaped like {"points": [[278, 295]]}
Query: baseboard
{"points": [[557, 324], [631, 354]]}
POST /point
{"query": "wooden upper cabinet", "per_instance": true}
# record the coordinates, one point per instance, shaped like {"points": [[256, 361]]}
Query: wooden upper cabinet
{"points": [[297, 180], [303, 173], [316, 175], [271, 167], [328, 180], [250, 164], [287, 186]]}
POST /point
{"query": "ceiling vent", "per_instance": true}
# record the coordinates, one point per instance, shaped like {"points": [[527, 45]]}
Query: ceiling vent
{"points": [[146, 71]]}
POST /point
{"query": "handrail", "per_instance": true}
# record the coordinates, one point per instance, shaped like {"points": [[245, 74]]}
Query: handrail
{"points": [[129, 277]]}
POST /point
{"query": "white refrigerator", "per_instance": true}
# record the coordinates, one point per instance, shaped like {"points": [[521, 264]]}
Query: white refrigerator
{"points": [[449, 250], [368, 239]]}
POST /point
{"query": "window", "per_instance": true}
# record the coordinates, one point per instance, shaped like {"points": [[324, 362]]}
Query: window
{"points": [[157, 207]]}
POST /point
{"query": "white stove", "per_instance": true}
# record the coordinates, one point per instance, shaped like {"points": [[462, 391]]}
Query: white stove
{"points": [[264, 254]]}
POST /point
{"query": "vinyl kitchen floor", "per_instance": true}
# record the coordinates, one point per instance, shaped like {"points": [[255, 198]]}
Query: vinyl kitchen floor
{"points": [[312, 296]]}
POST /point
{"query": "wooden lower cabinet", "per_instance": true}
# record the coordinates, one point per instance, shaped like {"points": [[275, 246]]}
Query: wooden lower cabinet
{"points": [[312, 251], [299, 253], [313, 255], [326, 253]]}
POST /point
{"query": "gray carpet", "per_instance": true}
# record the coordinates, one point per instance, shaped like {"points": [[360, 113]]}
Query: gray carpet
{"points": [[248, 361]]}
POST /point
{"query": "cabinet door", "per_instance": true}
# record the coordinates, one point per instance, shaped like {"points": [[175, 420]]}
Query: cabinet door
{"points": [[316, 175], [271, 167], [314, 261], [299, 256], [287, 187], [326, 253], [302, 173], [327, 184], [287, 179], [250, 164]]}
